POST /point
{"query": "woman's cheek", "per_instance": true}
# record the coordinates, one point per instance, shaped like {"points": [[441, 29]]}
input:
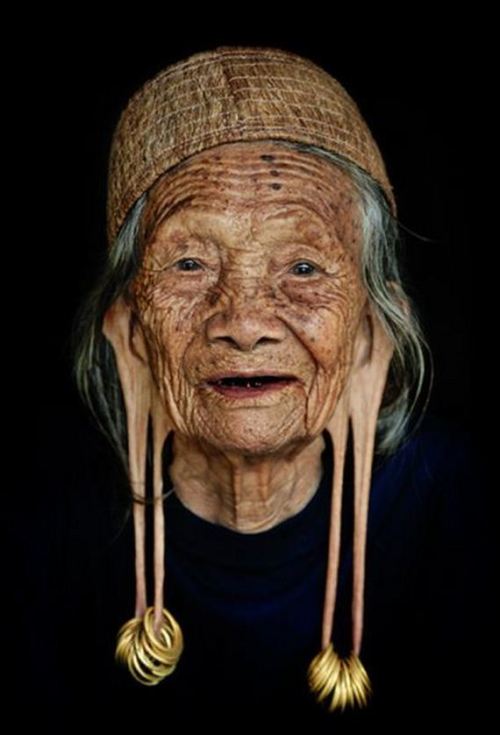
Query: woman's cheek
{"points": [[327, 329]]}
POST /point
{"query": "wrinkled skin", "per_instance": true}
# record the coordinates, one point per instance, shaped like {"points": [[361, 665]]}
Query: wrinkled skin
{"points": [[250, 263]]}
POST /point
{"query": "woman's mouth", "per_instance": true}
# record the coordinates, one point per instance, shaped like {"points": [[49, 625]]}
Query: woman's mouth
{"points": [[245, 387]]}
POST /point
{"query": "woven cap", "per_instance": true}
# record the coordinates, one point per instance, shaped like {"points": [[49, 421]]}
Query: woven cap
{"points": [[225, 95]]}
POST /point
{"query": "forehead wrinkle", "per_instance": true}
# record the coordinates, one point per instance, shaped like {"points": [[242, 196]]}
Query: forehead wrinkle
{"points": [[293, 213], [249, 215], [203, 219], [320, 177], [240, 233], [307, 225]]}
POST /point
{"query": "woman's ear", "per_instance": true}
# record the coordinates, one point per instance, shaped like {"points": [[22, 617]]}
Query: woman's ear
{"points": [[364, 338], [149, 656], [135, 379], [363, 346], [359, 406], [121, 327]]}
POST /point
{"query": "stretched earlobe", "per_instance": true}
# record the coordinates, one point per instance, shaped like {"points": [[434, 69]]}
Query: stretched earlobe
{"points": [[136, 390], [346, 682], [150, 647]]}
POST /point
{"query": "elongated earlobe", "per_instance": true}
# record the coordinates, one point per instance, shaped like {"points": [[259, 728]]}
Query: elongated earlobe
{"points": [[151, 643], [345, 682]]}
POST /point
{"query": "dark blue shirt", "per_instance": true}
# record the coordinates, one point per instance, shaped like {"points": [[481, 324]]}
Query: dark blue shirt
{"points": [[250, 605]]}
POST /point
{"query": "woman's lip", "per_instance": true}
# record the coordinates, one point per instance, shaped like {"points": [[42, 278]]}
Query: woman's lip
{"points": [[237, 391], [253, 374]]}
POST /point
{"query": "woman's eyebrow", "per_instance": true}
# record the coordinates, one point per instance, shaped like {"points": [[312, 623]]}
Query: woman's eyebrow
{"points": [[297, 225], [170, 211]]}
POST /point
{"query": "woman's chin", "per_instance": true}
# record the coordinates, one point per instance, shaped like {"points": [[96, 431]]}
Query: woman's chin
{"points": [[250, 444]]}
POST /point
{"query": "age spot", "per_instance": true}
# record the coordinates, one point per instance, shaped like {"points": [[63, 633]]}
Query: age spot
{"points": [[275, 186]]}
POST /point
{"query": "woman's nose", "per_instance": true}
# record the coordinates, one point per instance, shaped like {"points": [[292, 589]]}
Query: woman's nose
{"points": [[245, 322]]}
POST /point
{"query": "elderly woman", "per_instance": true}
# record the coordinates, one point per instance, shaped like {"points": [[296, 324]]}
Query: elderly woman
{"points": [[252, 355]]}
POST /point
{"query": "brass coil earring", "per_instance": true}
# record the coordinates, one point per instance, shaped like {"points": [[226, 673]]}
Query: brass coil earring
{"points": [[149, 658], [344, 680]]}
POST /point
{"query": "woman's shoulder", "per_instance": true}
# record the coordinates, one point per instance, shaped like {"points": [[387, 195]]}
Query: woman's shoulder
{"points": [[437, 447], [439, 477]]}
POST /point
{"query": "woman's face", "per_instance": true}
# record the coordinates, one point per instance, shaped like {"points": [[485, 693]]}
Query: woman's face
{"points": [[250, 265]]}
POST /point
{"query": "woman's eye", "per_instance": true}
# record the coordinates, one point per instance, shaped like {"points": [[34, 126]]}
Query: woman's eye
{"points": [[303, 268], [189, 264]]}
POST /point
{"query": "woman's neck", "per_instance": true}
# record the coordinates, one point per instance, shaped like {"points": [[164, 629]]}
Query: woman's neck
{"points": [[245, 494]]}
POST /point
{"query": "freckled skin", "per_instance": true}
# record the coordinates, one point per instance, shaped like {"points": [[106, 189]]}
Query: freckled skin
{"points": [[241, 272]]}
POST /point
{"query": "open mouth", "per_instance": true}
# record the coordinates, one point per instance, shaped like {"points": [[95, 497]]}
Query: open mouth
{"points": [[257, 382], [238, 387]]}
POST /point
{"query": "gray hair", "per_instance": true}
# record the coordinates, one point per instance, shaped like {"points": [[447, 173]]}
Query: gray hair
{"points": [[94, 366]]}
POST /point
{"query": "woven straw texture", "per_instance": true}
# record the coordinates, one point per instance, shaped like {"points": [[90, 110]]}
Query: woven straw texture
{"points": [[230, 94]]}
